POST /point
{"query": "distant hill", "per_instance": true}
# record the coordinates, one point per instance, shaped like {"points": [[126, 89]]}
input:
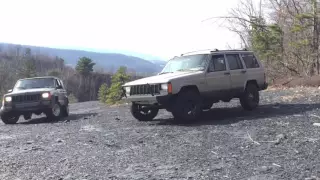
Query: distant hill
{"points": [[107, 61], [159, 62]]}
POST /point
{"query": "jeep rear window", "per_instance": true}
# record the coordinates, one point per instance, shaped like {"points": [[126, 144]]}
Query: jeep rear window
{"points": [[234, 61], [250, 61], [35, 83], [186, 63]]}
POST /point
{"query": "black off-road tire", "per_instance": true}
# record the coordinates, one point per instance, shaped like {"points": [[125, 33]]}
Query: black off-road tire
{"points": [[27, 116], [187, 106], [250, 97], [137, 113], [54, 115], [9, 119], [65, 111], [207, 106]]}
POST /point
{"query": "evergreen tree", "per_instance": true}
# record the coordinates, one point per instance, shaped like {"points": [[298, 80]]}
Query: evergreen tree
{"points": [[102, 93], [115, 91], [85, 66]]}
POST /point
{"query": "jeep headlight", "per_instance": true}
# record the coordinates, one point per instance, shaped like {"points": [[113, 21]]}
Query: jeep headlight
{"points": [[45, 95], [164, 87], [127, 89], [167, 87], [8, 99]]}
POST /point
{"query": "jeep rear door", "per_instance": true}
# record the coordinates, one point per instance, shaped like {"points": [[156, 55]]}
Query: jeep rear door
{"points": [[217, 77], [253, 66], [237, 73]]}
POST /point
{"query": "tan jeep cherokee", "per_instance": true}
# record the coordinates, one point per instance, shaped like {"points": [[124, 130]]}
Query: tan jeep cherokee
{"points": [[194, 81]]}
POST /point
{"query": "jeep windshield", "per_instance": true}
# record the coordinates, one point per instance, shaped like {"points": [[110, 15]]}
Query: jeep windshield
{"points": [[34, 83], [186, 63]]}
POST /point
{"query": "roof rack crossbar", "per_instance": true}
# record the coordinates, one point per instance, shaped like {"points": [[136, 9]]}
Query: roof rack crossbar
{"points": [[233, 50], [215, 50], [199, 51]]}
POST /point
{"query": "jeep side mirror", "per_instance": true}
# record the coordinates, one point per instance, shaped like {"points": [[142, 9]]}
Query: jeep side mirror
{"points": [[59, 87], [10, 90]]}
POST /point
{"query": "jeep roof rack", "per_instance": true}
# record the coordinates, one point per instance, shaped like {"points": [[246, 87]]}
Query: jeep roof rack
{"points": [[245, 49], [215, 50], [199, 51]]}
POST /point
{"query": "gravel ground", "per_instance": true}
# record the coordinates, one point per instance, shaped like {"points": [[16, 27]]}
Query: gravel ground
{"points": [[276, 141]]}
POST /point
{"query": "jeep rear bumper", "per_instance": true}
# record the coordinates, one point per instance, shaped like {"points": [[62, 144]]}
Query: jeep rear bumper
{"points": [[263, 86]]}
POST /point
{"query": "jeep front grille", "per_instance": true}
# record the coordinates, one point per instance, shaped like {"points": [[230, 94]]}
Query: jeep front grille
{"points": [[145, 89], [26, 98]]}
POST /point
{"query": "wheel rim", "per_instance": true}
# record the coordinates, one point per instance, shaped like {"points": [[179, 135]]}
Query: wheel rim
{"points": [[190, 108], [144, 112], [252, 98], [13, 118], [56, 110]]}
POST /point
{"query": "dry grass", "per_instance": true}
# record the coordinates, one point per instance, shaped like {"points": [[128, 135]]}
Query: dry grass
{"points": [[296, 92], [290, 98], [296, 88]]}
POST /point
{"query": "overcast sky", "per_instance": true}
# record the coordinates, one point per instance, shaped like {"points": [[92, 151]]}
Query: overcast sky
{"points": [[161, 28]]}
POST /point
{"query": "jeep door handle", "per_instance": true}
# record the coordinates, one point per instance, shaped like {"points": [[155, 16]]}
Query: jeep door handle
{"points": [[243, 71], [227, 73]]}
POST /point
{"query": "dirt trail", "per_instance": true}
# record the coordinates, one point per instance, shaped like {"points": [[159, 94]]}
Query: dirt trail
{"points": [[276, 141]]}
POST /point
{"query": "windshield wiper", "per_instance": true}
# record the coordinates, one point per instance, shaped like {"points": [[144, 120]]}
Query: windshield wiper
{"points": [[191, 69], [164, 73], [184, 70], [197, 69]]}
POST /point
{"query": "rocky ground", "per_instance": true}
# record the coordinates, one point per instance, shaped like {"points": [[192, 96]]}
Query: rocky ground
{"points": [[279, 140]]}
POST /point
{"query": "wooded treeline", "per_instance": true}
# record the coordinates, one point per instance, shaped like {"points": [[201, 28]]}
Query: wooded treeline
{"points": [[82, 83], [283, 33]]}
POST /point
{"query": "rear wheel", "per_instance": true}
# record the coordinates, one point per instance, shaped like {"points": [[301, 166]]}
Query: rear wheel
{"points": [[142, 113], [9, 119], [250, 97], [187, 107], [65, 111]]}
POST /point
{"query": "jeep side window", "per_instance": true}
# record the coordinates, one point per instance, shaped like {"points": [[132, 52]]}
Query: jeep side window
{"points": [[250, 61], [217, 63], [234, 61]]}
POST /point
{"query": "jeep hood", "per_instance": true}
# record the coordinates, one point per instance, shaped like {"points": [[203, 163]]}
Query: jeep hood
{"points": [[162, 78], [22, 91]]}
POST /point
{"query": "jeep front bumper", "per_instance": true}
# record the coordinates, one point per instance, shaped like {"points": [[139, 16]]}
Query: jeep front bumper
{"points": [[149, 99], [25, 107]]}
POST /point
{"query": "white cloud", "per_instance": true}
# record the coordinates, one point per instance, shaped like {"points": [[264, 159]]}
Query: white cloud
{"points": [[162, 28]]}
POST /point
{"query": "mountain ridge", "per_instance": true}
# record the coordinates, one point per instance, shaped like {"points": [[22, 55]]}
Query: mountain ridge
{"points": [[107, 61]]}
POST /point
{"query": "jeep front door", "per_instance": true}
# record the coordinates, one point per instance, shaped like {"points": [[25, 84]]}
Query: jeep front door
{"points": [[237, 73], [217, 77]]}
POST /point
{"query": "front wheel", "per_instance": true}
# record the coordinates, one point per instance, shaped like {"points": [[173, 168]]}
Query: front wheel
{"points": [[250, 97], [27, 116], [187, 107], [9, 119], [55, 112], [143, 113]]}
